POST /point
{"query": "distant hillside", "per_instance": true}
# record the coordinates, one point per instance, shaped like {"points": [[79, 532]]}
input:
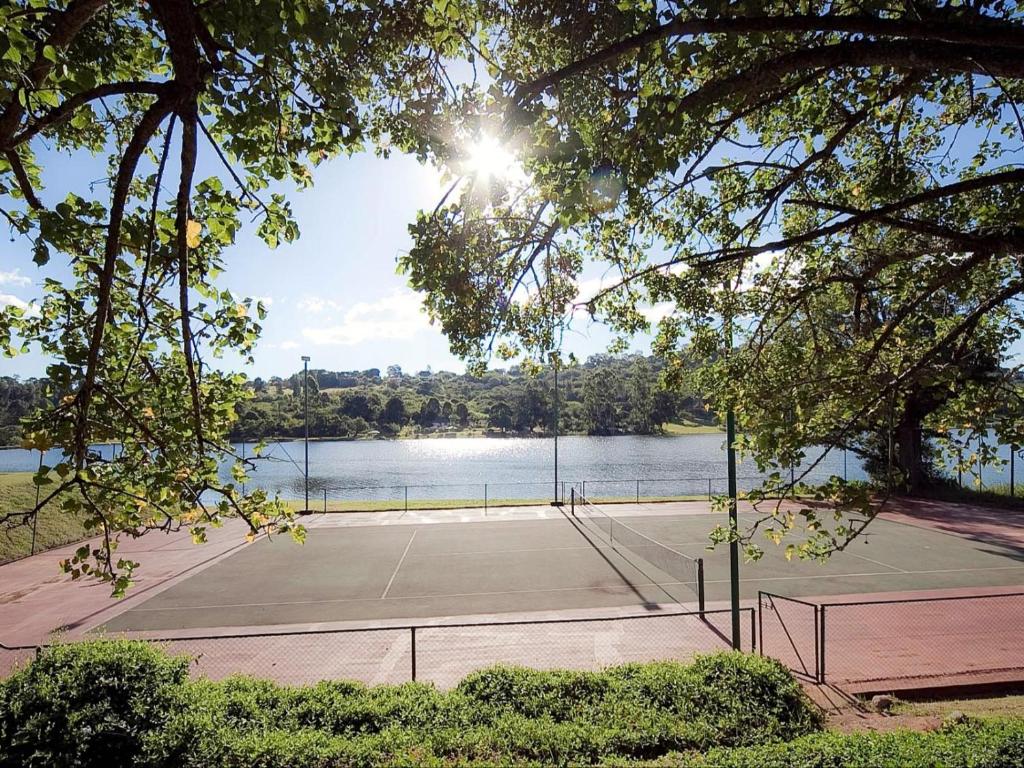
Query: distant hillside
{"points": [[604, 396], [18, 398]]}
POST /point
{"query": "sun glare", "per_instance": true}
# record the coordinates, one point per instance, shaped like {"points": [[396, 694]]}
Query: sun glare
{"points": [[489, 159]]}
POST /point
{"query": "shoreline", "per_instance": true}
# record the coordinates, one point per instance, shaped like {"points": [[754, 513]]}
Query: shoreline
{"points": [[684, 431], [674, 430]]}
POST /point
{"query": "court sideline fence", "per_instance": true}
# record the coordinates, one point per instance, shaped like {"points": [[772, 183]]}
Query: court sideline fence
{"points": [[863, 644], [445, 653], [327, 495]]}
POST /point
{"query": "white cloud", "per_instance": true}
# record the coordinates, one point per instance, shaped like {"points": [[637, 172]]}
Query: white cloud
{"points": [[10, 300], [658, 312], [267, 300], [398, 316], [314, 305], [588, 289], [14, 278], [286, 344]]}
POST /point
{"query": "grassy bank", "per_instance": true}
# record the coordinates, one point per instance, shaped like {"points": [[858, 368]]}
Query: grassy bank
{"points": [[53, 527], [391, 505], [409, 433], [995, 495], [691, 428]]}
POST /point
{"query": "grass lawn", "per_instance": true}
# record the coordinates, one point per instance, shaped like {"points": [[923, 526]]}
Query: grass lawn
{"points": [[691, 428], [996, 706], [53, 528], [390, 505]]}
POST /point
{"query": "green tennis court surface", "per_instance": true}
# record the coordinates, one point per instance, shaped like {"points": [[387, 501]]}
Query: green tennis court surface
{"points": [[369, 573]]}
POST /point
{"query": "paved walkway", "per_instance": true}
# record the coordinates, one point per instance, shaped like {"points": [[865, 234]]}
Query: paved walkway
{"points": [[37, 599]]}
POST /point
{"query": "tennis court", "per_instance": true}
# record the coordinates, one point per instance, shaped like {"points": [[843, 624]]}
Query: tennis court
{"points": [[351, 571]]}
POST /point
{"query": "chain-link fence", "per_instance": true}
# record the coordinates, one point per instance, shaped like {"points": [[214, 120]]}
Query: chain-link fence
{"points": [[788, 630], [12, 658], [934, 640], [443, 654], [328, 495]]}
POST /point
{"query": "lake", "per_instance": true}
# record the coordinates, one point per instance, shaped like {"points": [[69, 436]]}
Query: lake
{"points": [[523, 468], [437, 468]]}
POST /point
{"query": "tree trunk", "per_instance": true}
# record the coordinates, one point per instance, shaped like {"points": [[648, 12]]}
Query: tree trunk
{"points": [[908, 458]]}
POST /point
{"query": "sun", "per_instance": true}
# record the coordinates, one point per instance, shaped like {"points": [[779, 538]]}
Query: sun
{"points": [[489, 159]]}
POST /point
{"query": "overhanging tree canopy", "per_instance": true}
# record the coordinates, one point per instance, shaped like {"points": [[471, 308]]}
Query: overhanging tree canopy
{"points": [[257, 92], [841, 180]]}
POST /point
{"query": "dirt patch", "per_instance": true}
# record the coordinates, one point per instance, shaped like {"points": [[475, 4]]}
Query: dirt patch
{"points": [[852, 720], [849, 715]]}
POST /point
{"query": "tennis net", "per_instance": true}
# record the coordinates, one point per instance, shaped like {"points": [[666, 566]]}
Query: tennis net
{"points": [[683, 568]]}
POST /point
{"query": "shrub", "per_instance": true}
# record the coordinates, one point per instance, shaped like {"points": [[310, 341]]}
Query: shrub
{"points": [[977, 744], [720, 699], [114, 703], [87, 704]]}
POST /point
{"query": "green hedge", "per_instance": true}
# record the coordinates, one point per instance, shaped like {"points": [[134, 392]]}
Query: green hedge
{"points": [[975, 744], [120, 703], [127, 704], [89, 704]]}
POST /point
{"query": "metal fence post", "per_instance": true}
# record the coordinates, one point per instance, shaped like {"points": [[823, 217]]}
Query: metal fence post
{"points": [[1013, 453], [637, 491], [709, 489], [485, 498], [406, 498], [821, 657], [584, 491], [35, 517], [753, 632], [325, 501], [412, 631], [959, 468], [572, 501], [760, 622], [700, 586]]}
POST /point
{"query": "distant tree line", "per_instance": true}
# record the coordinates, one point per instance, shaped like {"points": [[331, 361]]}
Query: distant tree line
{"points": [[18, 398], [606, 395]]}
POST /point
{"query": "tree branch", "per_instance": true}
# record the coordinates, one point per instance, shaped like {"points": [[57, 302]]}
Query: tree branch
{"points": [[998, 33]]}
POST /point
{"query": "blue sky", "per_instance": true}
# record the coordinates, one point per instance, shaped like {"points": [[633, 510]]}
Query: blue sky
{"points": [[334, 294]]}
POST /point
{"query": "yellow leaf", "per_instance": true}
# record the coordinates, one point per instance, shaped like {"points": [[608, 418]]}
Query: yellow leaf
{"points": [[192, 231]]}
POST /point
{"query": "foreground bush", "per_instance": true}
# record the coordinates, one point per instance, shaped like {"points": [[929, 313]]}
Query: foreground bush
{"points": [[87, 704], [128, 704], [978, 744]]}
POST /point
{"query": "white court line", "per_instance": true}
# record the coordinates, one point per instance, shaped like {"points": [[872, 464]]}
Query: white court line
{"points": [[400, 561], [878, 562]]}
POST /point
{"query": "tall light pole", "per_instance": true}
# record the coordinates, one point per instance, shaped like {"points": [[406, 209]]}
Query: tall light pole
{"points": [[556, 502], [305, 395], [734, 524]]}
